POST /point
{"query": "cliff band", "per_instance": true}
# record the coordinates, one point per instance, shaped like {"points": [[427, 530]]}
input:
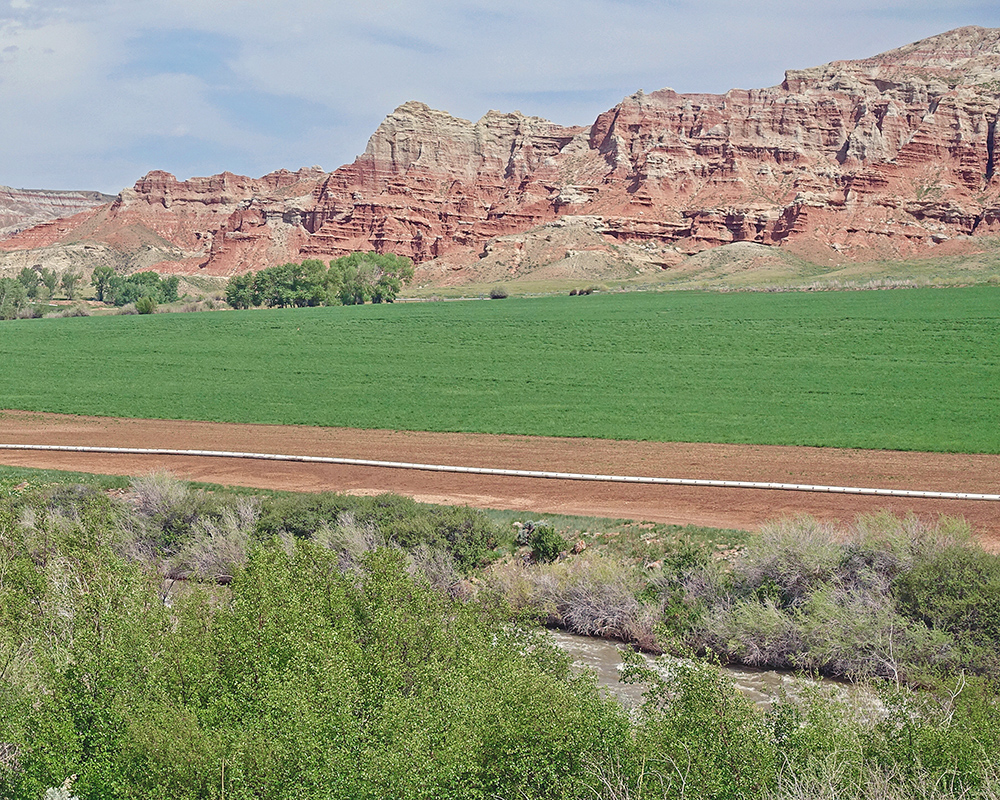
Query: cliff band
{"points": [[883, 157]]}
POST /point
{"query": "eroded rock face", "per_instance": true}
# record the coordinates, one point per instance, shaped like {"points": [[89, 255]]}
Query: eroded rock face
{"points": [[24, 208], [886, 156], [429, 183]]}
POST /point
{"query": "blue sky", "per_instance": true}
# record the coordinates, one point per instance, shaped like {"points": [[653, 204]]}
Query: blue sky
{"points": [[95, 93]]}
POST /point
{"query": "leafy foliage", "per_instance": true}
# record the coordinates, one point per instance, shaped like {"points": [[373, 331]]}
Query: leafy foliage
{"points": [[100, 278], [297, 679], [30, 279], [140, 286], [956, 589], [707, 739], [49, 279], [546, 543], [69, 281], [326, 668], [13, 298], [145, 305], [351, 280]]}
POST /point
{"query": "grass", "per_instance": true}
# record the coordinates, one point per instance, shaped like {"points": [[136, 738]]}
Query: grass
{"points": [[731, 269], [15, 480], [635, 540], [911, 369], [742, 266]]}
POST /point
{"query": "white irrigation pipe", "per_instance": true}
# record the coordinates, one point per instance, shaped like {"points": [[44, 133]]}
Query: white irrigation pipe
{"points": [[513, 473]]}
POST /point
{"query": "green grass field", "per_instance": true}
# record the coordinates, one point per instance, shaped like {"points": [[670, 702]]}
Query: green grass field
{"points": [[907, 369]]}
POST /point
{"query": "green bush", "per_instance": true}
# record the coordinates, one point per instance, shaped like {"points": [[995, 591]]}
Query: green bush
{"points": [[296, 680], [300, 515], [701, 736], [546, 543], [498, 293], [145, 305], [956, 590], [894, 598]]}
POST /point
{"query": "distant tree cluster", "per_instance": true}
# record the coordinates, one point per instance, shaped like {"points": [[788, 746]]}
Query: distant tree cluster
{"points": [[13, 298], [20, 296], [351, 280], [41, 284], [120, 290]]}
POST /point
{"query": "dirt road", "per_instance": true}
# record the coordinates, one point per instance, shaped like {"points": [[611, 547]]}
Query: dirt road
{"points": [[730, 508]]}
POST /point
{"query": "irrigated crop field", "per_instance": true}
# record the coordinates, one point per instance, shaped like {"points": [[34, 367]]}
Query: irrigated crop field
{"points": [[907, 369]]}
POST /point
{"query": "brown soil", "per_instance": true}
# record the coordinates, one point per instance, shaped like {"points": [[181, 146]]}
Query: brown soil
{"points": [[727, 508]]}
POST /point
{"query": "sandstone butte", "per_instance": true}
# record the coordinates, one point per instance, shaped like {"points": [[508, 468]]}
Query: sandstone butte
{"points": [[883, 157]]}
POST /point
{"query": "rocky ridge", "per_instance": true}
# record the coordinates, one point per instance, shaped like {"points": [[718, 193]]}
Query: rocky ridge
{"points": [[883, 157], [23, 208]]}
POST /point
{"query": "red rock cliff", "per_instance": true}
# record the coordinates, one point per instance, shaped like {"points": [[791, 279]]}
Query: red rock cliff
{"points": [[883, 156]]}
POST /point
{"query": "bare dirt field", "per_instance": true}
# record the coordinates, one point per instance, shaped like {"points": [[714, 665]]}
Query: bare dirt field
{"points": [[724, 508]]}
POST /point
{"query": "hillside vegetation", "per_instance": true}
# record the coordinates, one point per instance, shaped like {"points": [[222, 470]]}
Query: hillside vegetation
{"points": [[909, 369]]}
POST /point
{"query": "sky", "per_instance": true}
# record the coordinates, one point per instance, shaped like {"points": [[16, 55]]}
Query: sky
{"points": [[96, 93]]}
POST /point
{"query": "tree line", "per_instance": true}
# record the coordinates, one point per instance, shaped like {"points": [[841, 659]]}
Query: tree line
{"points": [[35, 284], [351, 280], [121, 290]]}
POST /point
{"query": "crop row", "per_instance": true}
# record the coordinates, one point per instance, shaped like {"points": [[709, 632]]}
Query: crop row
{"points": [[909, 369]]}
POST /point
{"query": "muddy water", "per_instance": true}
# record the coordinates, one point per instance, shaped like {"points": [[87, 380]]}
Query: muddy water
{"points": [[602, 656]]}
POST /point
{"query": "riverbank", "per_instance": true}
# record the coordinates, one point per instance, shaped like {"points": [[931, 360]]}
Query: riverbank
{"points": [[159, 639]]}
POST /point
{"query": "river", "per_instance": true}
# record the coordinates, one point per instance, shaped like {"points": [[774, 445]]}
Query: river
{"points": [[762, 687]]}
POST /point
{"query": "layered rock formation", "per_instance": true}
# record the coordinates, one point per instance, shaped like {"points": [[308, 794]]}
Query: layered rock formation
{"points": [[886, 156], [23, 208]]}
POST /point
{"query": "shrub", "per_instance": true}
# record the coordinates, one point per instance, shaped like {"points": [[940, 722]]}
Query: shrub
{"points": [[894, 598], [30, 312], [219, 546], [76, 311], [300, 515], [546, 543], [145, 305], [466, 534], [787, 561], [350, 539], [600, 609], [435, 564], [498, 293], [956, 590], [707, 739], [167, 508]]}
